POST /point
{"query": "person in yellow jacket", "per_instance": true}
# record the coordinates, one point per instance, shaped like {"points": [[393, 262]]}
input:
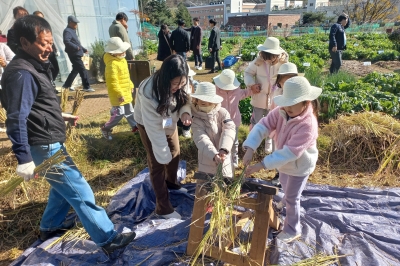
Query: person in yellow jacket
{"points": [[119, 85]]}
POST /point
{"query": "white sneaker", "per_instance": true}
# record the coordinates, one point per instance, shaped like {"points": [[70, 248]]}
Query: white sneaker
{"points": [[196, 67], [186, 134], [173, 215], [268, 145], [287, 238], [199, 68]]}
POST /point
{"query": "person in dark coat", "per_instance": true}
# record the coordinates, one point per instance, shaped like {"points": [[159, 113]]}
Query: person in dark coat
{"points": [[164, 46], [337, 42], [214, 45], [180, 41], [195, 43], [75, 50], [18, 12]]}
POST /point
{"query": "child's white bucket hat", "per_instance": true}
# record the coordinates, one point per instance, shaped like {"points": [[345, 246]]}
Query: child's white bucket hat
{"points": [[227, 80], [287, 68], [271, 45], [191, 72], [206, 91], [297, 90], [116, 46]]}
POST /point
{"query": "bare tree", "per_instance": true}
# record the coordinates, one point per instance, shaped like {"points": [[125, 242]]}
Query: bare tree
{"points": [[372, 10]]}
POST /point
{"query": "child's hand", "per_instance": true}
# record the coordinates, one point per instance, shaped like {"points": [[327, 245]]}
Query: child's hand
{"points": [[218, 159], [121, 99], [222, 155], [186, 119], [248, 156], [254, 169], [256, 88]]}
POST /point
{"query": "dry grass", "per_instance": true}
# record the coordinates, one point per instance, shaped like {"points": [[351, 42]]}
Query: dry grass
{"points": [[109, 165], [3, 115]]}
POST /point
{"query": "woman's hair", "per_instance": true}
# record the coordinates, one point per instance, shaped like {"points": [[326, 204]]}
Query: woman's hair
{"points": [[164, 27], [315, 105], [38, 13], [341, 17], [19, 8], [280, 76], [268, 56], [173, 66]]}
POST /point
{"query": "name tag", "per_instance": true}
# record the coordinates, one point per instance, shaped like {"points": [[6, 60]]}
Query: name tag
{"points": [[167, 122]]}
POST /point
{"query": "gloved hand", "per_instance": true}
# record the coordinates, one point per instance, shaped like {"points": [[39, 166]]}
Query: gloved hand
{"points": [[26, 170]]}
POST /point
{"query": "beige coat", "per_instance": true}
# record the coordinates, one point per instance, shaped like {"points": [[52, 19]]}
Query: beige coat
{"points": [[145, 114], [265, 74], [212, 132]]}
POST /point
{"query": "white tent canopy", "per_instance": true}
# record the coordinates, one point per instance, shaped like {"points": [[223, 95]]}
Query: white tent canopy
{"points": [[95, 17]]}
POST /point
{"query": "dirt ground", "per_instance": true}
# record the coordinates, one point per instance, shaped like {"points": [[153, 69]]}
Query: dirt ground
{"points": [[357, 68]]}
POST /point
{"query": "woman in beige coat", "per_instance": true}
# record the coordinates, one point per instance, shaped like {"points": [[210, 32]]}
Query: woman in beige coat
{"points": [[261, 75], [213, 130], [161, 100]]}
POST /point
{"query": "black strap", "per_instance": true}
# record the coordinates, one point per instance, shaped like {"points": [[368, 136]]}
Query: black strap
{"points": [[227, 120]]}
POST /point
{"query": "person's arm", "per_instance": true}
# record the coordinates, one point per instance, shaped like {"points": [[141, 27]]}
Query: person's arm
{"points": [[171, 41], [249, 74], [152, 121], [332, 35], [348, 23], [228, 132], [8, 53], [202, 140], [67, 37], [21, 92]]}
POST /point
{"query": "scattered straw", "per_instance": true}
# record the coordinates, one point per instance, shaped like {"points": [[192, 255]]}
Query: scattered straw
{"points": [[320, 259], [41, 169], [74, 235], [64, 99]]}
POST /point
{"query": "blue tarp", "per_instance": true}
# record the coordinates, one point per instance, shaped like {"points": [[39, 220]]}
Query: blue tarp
{"points": [[361, 223]]}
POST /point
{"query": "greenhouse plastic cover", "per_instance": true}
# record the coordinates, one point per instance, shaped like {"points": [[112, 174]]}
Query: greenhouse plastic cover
{"points": [[363, 224]]}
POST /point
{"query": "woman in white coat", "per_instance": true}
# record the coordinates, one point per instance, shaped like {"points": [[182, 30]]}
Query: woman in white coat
{"points": [[260, 75]]}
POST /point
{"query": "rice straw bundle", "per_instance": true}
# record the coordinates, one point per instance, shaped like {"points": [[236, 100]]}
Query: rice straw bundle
{"points": [[79, 94], [64, 99], [223, 197], [41, 170], [75, 235], [363, 142], [3, 115]]}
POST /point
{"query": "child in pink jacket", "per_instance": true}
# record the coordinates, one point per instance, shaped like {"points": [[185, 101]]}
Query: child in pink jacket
{"points": [[296, 154], [228, 87]]}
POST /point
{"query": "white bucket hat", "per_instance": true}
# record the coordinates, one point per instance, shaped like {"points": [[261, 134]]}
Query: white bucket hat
{"points": [[206, 91], [191, 72], [287, 68], [297, 90], [116, 46], [227, 80], [271, 45]]}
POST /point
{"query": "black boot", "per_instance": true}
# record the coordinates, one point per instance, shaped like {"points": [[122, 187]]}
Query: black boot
{"points": [[120, 241], [69, 224], [275, 181]]}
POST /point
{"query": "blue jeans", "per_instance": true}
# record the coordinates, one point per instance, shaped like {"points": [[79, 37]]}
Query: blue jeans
{"points": [[69, 188], [198, 60], [183, 54]]}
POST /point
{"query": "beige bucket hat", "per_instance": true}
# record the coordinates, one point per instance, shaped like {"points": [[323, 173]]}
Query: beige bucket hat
{"points": [[271, 45], [227, 80], [207, 92], [116, 46], [296, 90]]}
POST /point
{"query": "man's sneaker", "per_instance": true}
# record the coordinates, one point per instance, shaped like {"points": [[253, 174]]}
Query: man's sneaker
{"points": [[196, 67], [174, 215], [106, 134], [186, 134], [135, 129], [71, 88], [287, 238], [199, 68], [88, 89], [45, 235], [120, 241], [268, 145]]}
